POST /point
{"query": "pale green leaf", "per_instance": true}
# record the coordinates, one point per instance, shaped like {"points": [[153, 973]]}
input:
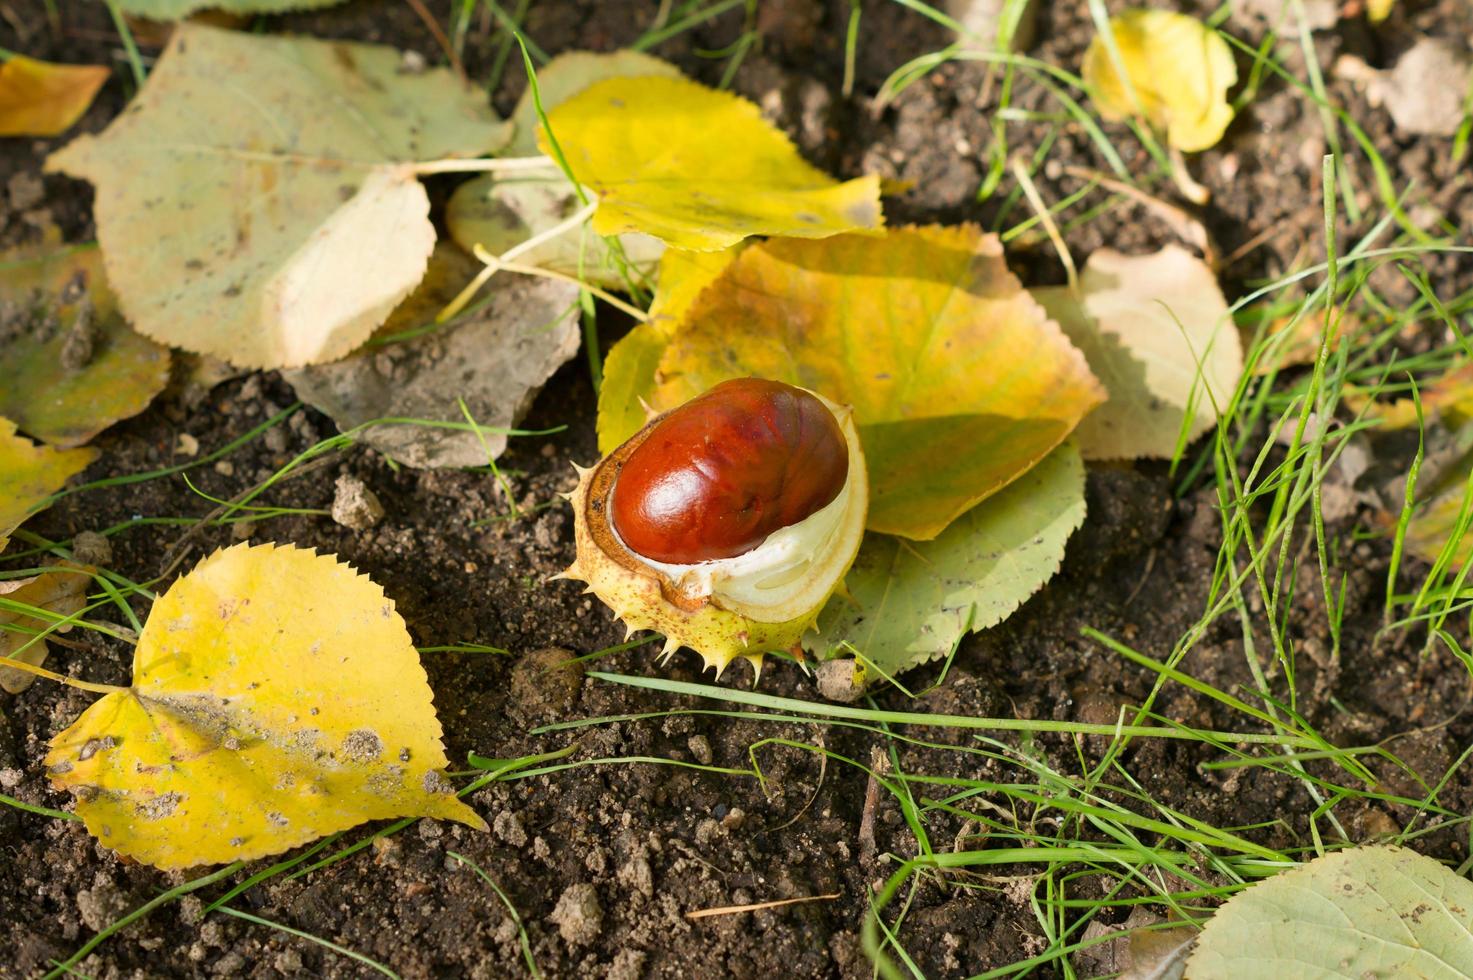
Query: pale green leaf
{"points": [[1374, 911], [910, 601], [258, 200], [498, 214]]}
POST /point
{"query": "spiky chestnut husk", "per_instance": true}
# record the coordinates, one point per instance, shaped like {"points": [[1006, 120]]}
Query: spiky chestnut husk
{"points": [[719, 628]]}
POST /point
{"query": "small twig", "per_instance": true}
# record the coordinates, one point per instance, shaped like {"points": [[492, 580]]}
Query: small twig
{"points": [[488, 165], [1145, 577], [52, 675], [1187, 227], [494, 264], [1047, 220], [759, 906], [1184, 181], [867, 845], [823, 768]]}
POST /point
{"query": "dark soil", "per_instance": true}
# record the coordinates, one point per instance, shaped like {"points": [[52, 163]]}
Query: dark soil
{"points": [[655, 842]]}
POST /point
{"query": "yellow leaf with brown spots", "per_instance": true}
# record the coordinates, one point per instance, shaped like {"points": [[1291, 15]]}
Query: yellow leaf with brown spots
{"points": [[276, 698], [76, 367]]}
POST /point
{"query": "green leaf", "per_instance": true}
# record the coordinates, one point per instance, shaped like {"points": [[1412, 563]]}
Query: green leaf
{"points": [[1156, 330], [959, 382], [699, 169], [179, 9], [909, 602], [258, 201], [64, 381], [1372, 911]]}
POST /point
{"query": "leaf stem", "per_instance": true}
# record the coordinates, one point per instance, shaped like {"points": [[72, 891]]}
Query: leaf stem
{"points": [[51, 675], [532, 270], [484, 165], [1046, 219]]}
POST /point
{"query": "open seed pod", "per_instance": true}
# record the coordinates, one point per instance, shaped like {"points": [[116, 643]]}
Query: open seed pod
{"points": [[726, 523]]}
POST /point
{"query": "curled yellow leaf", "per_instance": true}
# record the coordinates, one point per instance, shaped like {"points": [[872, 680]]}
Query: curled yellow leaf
{"points": [[276, 698], [30, 473], [1177, 73], [38, 98], [699, 169]]}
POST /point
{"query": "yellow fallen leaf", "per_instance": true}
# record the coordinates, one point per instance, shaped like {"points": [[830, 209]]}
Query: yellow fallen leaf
{"points": [[1433, 524], [38, 98], [568, 74], [276, 698], [63, 593], [29, 474], [959, 381], [699, 169], [67, 384], [1294, 341], [1177, 70], [629, 370], [1449, 397]]}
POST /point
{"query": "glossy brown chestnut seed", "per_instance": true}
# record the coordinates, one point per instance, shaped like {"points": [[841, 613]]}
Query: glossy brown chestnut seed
{"points": [[716, 476]]}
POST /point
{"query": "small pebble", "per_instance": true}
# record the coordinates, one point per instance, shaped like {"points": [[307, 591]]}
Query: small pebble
{"points": [[578, 915], [91, 548], [354, 505], [700, 747]]}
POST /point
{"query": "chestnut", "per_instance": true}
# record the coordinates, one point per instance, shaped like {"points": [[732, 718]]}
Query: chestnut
{"points": [[726, 469], [726, 523]]}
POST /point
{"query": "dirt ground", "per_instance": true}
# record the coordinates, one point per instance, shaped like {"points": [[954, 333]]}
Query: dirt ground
{"points": [[654, 842]]}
